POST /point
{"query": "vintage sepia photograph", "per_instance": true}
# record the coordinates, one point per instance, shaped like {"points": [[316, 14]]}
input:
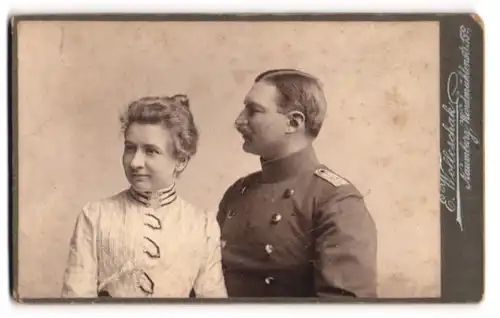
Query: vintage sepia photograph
{"points": [[228, 159]]}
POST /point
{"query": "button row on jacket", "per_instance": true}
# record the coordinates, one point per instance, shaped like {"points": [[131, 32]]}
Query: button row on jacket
{"points": [[275, 219]]}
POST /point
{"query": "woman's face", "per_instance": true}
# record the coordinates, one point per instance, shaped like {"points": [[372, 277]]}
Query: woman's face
{"points": [[148, 157]]}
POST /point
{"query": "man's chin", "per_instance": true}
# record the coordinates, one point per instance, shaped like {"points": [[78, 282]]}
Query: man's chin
{"points": [[247, 147]]}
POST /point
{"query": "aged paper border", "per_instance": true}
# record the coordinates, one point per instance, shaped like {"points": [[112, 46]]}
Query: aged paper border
{"points": [[461, 139]]}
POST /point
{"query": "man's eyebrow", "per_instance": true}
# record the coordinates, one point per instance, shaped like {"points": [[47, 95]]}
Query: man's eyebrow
{"points": [[253, 104]]}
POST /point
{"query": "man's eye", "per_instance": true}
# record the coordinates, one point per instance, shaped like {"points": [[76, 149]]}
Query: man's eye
{"points": [[129, 148]]}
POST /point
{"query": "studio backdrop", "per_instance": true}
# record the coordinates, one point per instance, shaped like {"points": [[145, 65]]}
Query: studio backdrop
{"points": [[381, 130]]}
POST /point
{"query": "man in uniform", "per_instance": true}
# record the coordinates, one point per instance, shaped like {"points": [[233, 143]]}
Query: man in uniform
{"points": [[295, 228]]}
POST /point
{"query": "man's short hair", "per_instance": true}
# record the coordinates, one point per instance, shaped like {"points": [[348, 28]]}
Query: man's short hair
{"points": [[299, 91]]}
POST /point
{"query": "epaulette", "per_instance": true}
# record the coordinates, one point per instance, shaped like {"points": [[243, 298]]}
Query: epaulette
{"points": [[330, 177]]}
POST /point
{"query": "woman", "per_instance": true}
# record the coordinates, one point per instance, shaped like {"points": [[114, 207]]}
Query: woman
{"points": [[146, 241]]}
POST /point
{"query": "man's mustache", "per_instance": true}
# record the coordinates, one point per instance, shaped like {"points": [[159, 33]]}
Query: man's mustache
{"points": [[243, 130]]}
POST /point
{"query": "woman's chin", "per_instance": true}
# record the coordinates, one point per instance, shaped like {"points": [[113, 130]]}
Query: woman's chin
{"points": [[141, 185]]}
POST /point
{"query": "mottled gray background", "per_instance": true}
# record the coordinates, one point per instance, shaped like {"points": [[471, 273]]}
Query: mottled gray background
{"points": [[381, 131]]}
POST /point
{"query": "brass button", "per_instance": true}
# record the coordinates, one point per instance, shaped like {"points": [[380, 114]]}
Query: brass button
{"points": [[288, 193], [223, 243], [269, 248], [269, 280], [276, 218], [243, 189], [231, 214]]}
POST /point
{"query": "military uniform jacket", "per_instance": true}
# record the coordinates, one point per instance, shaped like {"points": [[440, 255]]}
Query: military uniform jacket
{"points": [[297, 229]]}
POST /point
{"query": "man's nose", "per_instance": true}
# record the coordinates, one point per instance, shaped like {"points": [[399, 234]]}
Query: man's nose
{"points": [[241, 120]]}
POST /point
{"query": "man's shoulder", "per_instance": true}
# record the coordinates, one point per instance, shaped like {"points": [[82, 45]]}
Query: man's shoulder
{"points": [[324, 174], [332, 191], [243, 182], [329, 183]]}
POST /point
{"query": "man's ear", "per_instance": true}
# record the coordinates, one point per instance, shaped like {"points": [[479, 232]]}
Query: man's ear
{"points": [[296, 120]]}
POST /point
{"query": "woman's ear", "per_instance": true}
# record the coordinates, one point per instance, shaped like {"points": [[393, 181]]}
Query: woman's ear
{"points": [[180, 166], [296, 119]]}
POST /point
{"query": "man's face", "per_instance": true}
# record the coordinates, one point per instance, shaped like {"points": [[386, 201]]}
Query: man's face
{"points": [[263, 128]]}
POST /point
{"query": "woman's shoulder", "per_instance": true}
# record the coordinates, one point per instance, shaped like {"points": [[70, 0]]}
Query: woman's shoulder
{"points": [[105, 203], [203, 216], [191, 209]]}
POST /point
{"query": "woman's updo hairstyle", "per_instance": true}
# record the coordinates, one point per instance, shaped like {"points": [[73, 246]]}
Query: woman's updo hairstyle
{"points": [[173, 113]]}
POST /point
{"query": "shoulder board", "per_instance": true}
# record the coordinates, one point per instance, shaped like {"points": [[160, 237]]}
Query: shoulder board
{"points": [[330, 177]]}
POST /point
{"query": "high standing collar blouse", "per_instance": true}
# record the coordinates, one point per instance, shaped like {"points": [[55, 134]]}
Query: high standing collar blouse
{"points": [[137, 244]]}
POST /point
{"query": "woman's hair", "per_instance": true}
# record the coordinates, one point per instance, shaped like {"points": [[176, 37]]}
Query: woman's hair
{"points": [[173, 113]]}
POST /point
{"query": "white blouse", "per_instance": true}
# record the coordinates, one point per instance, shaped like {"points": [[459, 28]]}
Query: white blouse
{"points": [[143, 245]]}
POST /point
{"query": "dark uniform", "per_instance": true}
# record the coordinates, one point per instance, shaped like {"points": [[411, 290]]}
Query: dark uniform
{"points": [[296, 229]]}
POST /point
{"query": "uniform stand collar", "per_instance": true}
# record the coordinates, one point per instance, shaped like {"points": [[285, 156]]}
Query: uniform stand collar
{"points": [[289, 166], [154, 199]]}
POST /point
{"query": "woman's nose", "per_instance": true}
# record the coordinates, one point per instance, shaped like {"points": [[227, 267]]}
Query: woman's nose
{"points": [[137, 160]]}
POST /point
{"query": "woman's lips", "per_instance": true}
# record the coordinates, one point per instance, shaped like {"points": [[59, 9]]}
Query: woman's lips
{"points": [[140, 176]]}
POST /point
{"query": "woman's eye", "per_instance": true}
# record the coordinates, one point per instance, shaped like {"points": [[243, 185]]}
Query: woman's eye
{"points": [[150, 151]]}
